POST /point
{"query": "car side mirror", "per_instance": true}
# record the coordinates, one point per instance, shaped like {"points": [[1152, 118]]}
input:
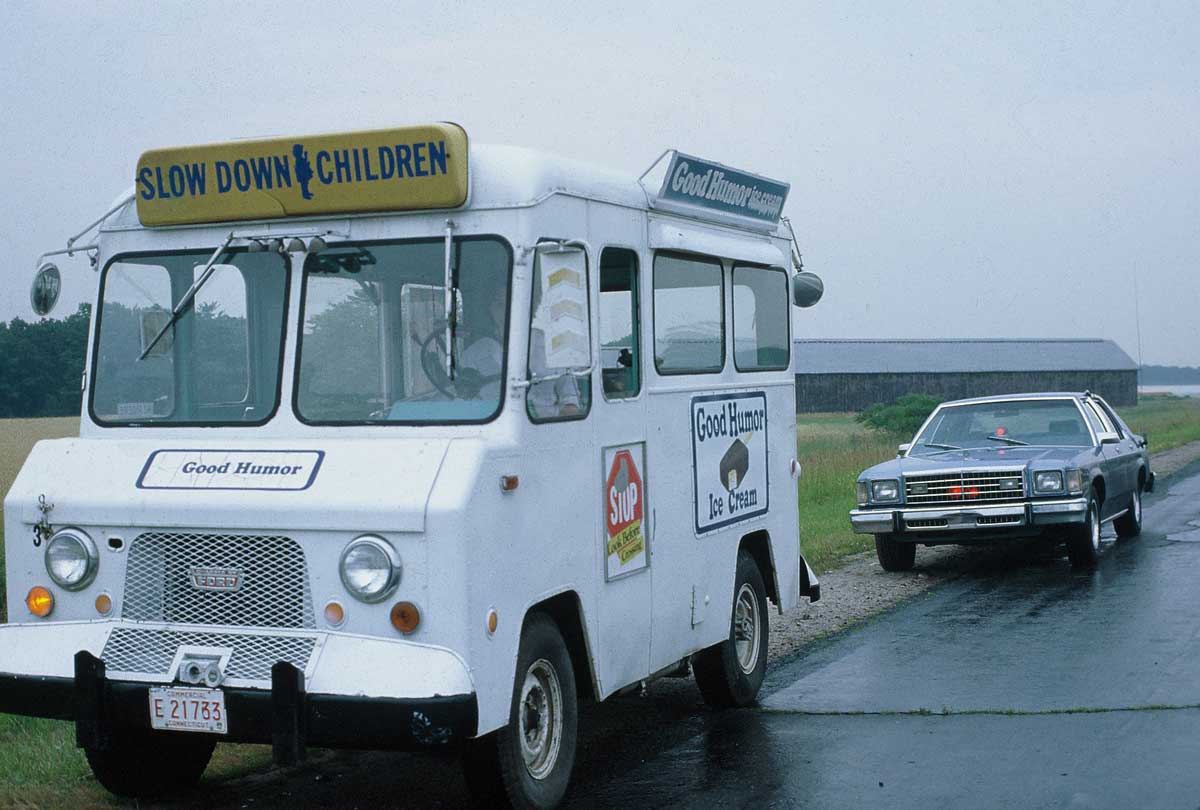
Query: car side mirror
{"points": [[1108, 437], [904, 448], [807, 289]]}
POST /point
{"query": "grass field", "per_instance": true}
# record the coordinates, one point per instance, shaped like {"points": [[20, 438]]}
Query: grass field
{"points": [[41, 768]]}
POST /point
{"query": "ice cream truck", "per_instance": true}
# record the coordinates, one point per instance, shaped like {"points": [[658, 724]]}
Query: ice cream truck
{"points": [[390, 440]]}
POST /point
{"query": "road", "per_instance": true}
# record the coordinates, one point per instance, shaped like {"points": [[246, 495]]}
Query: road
{"points": [[1019, 684]]}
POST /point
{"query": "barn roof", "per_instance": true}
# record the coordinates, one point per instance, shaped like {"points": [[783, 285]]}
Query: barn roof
{"points": [[863, 356]]}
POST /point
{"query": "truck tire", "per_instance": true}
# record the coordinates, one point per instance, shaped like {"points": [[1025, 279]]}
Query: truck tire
{"points": [[147, 764], [527, 764], [894, 555], [1130, 523], [731, 673], [1083, 541]]}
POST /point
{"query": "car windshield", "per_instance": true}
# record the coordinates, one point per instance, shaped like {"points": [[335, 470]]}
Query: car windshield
{"points": [[374, 339], [1039, 422], [218, 364]]}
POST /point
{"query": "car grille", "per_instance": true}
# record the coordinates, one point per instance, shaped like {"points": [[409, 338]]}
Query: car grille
{"points": [[272, 590], [997, 520], [964, 488], [930, 523], [151, 652]]}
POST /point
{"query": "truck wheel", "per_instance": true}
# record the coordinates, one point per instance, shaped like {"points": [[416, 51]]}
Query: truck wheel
{"points": [[893, 555], [1130, 523], [732, 672], [1083, 542], [527, 764], [146, 764]]}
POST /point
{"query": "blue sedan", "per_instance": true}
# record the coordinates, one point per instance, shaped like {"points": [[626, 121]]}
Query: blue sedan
{"points": [[993, 468]]}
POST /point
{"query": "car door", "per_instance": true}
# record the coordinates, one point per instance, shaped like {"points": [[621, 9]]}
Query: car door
{"points": [[1118, 479]]}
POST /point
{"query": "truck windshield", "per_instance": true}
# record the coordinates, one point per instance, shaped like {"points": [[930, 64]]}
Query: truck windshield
{"points": [[219, 364], [996, 425], [373, 347]]}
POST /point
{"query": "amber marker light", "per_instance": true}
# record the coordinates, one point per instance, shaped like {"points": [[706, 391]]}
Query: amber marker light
{"points": [[509, 483], [335, 614], [39, 601], [405, 617], [493, 621], [104, 604]]}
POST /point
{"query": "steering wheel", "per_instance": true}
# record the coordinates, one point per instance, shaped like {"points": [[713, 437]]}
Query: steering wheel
{"points": [[467, 382]]}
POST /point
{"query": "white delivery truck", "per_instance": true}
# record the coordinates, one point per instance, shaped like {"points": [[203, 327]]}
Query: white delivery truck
{"points": [[394, 441]]}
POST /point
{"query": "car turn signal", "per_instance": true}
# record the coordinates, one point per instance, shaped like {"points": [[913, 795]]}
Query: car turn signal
{"points": [[39, 601], [405, 617]]}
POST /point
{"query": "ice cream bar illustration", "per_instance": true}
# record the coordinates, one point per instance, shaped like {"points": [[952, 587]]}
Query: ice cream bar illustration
{"points": [[734, 464]]}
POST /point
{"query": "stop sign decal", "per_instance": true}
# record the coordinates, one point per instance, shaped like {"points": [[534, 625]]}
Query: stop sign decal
{"points": [[624, 508]]}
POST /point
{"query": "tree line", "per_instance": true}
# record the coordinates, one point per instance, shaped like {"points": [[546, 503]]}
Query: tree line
{"points": [[41, 365]]}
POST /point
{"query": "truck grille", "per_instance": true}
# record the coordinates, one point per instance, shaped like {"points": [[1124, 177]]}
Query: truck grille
{"points": [[964, 488], [272, 587], [151, 652]]}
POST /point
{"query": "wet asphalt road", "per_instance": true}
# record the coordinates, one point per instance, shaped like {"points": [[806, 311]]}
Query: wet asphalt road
{"points": [[1020, 684]]}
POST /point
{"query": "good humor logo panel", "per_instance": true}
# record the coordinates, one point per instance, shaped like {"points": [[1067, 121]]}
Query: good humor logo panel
{"points": [[729, 450], [231, 469], [697, 182]]}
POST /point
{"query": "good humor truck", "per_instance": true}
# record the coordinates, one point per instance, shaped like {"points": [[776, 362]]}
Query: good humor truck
{"points": [[390, 440]]}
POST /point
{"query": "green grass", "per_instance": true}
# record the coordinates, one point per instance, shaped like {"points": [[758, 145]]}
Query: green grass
{"points": [[1167, 421]]}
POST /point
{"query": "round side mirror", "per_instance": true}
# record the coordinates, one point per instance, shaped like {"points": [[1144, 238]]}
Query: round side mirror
{"points": [[43, 295], [807, 289]]}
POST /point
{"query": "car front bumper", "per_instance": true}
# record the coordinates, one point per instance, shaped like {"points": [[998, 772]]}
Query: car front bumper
{"points": [[972, 519]]}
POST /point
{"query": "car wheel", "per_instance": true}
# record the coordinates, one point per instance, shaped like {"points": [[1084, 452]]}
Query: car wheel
{"points": [[894, 555], [147, 764], [527, 764], [1083, 543], [1130, 523], [731, 673]]}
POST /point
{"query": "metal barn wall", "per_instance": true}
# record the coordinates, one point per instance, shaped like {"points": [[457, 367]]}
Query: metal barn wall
{"points": [[817, 393]]}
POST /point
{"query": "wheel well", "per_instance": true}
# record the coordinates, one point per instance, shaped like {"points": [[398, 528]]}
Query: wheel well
{"points": [[1098, 488], [564, 609], [758, 544], [1141, 478]]}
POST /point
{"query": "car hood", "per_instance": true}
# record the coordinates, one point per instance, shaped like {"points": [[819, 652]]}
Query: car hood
{"points": [[1000, 457]]}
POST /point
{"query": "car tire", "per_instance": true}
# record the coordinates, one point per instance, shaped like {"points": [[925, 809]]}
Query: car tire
{"points": [[894, 555], [1130, 523], [1083, 541], [730, 673], [149, 764], [527, 764]]}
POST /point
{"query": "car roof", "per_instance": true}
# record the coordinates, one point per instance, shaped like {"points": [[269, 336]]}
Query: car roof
{"points": [[1026, 396]]}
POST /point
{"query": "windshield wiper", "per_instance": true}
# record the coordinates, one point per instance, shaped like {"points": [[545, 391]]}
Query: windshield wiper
{"points": [[940, 446], [1006, 439], [188, 296]]}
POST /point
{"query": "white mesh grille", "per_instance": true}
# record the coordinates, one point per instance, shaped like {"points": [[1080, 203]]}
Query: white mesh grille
{"points": [[152, 652], [273, 589]]}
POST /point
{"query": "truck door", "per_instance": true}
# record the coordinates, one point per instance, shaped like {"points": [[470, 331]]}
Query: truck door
{"points": [[627, 494]]}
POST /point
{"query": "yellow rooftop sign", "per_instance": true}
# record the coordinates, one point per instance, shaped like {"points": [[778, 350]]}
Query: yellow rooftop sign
{"points": [[378, 170]]}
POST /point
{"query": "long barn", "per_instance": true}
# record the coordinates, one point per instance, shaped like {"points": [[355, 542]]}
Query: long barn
{"points": [[850, 375]]}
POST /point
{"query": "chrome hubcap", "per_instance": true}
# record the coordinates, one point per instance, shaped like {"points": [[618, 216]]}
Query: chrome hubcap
{"points": [[540, 721], [1137, 507], [747, 628], [1094, 518]]}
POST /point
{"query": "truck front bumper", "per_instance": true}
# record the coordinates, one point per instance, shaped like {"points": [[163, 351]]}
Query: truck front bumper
{"points": [[357, 692], [973, 519]]}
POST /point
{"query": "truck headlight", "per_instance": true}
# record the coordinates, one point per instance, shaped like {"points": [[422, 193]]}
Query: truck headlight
{"points": [[885, 491], [1049, 482], [370, 568], [71, 559]]}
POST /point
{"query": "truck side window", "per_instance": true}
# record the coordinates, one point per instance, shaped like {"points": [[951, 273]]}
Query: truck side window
{"points": [[620, 353], [560, 338], [760, 318], [689, 315]]}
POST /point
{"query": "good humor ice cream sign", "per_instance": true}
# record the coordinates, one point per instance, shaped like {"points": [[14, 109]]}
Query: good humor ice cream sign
{"points": [[729, 451], [380, 170], [231, 469], [697, 183]]}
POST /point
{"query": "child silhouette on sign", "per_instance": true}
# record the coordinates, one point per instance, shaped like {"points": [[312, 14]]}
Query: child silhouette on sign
{"points": [[304, 172]]}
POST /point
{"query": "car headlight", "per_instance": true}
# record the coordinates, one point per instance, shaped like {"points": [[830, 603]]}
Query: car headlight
{"points": [[862, 493], [885, 491], [1075, 482], [1050, 481], [370, 568], [71, 559]]}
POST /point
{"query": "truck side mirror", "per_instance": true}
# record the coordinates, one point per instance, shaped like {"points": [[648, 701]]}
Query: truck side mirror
{"points": [[43, 295], [807, 289]]}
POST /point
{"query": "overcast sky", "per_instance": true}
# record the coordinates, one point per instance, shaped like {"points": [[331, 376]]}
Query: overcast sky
{"points": [[957, 170]]}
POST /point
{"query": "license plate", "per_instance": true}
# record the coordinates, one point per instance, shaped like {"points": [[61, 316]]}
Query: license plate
{"points": [[187, 709]]}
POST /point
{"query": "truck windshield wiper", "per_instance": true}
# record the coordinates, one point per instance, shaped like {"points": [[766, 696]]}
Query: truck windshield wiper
{"points": [[940, 446], [1006, 439], [188, 296]]}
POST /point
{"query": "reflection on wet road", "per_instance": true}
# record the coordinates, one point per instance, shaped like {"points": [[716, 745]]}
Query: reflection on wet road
{"points": [[1020, 684]]}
